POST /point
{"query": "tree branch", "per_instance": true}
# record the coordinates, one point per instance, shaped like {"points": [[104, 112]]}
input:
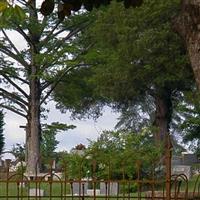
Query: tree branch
{"points": [[22, 2], [43, 24], [21, 79], [10, 42], [15, 85], [59, 43], [13, 110], [55, 83], [9, 53], [14, 101], [53, 87], [13, 96], [60, 31], [50, 33], [2, 72], [25, 36], [70, 34]]}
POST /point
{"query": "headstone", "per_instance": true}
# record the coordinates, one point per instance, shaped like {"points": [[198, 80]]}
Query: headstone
{"points": [[112, 190], [1, 162], [182, 169], [36, 192], [78, 188], [90, 192], [54, 164], [102, 188]]}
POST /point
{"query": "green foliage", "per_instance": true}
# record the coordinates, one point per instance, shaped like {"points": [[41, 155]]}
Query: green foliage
{"points": [[115, 155], [2, 138], [77, 94], [10, 11], [3, 6], [21, 168], [196, 168], [18, 150], [188, 123], [119, 154], [134, 56], [55, 54], [75, 165], [48, 140], [137, 50]]}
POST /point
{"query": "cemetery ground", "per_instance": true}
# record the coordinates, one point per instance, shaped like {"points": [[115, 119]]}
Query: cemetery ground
{"points": [[53, 190]]}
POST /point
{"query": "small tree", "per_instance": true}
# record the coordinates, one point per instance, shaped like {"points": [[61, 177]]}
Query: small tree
{"points": [[120, 154], [18, 151], [49, 142], [75, 164]]}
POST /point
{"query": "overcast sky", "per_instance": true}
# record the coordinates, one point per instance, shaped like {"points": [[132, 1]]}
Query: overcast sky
{"points": [[85, 129]]}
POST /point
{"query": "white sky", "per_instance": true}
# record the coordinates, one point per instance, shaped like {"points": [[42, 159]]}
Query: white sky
{"points": [[85, 129]]}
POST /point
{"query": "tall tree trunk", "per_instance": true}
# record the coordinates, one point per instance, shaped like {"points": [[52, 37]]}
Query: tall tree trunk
{"points": [[187, 25], [34, 128], [33, 119], [163, 114]]}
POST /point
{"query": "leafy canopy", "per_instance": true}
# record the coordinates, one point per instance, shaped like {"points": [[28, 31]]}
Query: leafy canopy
{"points": [[119, 154], [48, 140], [133, 56]]}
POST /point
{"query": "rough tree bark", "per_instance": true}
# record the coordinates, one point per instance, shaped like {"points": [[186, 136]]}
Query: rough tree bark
{"points": [[33, 117], [162, 114], [187, 25], [33, 128]]}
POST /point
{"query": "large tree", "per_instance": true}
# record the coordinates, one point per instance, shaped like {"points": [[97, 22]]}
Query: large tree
{"points": [[187, 25], [28, 72], [136, 59]]}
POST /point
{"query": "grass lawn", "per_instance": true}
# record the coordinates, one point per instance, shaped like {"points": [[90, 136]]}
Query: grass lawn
{"points": [[56, 190]]}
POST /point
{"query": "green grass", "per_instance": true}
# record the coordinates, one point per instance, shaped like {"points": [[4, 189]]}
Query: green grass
{"points": [[50, 189], [191, 184], [53, 190], [58, 189]]}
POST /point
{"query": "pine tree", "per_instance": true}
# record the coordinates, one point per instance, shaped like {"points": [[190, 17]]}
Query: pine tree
{"points": [[137, 60], [31, 73]]}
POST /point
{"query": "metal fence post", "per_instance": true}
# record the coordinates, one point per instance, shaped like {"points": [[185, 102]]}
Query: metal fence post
{"points": [[168, 157]]}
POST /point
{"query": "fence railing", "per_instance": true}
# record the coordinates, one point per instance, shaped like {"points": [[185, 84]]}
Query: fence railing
{"points": [[52, 186], [56, 186]]}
